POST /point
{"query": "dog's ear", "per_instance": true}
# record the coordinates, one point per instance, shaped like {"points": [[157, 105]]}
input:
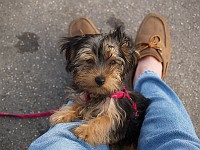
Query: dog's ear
{"points": [[71, 46], [126, 46], [118, 33], [68, 47]]}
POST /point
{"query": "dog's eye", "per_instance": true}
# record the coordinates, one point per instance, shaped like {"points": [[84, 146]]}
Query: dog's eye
{"points": [[89, 61], [113, 62]]}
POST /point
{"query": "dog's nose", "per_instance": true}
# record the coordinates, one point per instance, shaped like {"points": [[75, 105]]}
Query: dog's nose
{"points": [[100, 80]]}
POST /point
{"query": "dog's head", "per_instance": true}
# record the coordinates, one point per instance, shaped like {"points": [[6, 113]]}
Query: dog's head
{"points": [[99, 62]]}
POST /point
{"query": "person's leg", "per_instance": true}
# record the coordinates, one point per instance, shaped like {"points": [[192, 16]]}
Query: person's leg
{"points": [[60, 137], [148, 63], [167, 125]]}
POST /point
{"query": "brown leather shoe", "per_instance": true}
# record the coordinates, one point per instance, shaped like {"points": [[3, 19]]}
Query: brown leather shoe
{"points": [[153, 39], [82, 26]]}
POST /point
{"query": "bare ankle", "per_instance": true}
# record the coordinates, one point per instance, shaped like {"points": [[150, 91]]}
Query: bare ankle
{"points": [[148, 63]]}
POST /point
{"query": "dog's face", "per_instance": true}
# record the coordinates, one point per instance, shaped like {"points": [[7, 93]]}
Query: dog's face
{"points": [[99, 62]]}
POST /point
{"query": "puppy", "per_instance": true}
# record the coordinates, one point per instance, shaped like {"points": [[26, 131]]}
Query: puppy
{"points": [[112, 114]]}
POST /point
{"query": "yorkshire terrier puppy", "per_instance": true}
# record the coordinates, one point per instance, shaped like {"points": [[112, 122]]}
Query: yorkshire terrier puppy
{"points": [[99, 63]]}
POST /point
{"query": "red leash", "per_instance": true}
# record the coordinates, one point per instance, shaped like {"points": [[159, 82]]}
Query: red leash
{"points": [[119, 94], [34, 115]]}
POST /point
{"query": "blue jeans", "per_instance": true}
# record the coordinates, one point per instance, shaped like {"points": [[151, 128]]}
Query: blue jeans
{"points": [[167, 125]]}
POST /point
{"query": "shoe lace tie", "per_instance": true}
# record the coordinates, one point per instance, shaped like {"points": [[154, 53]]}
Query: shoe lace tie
{"points": [[154, 42]]}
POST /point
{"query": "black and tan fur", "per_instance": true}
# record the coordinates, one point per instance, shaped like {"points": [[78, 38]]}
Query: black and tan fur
{"points": [[99, 64]]}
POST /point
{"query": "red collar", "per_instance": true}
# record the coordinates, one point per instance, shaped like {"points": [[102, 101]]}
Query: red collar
{"points": [[118, 95], [121, 94]]}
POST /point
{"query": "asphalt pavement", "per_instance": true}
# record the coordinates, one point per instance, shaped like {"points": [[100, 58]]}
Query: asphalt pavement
{"points": [[32, 70]]}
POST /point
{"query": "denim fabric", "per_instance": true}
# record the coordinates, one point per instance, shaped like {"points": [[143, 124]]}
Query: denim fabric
{"points": [[166, 126], [59, 137]]}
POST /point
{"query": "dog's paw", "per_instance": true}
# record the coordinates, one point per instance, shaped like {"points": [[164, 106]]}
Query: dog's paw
{"points": [[61, 117], [55, 119], [83, 132]]}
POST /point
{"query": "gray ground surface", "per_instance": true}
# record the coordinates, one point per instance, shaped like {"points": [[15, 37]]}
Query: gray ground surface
{"points": [[32, 71]]}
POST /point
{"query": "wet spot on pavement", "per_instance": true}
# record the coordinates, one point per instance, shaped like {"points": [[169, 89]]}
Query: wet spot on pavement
{"points": [[28, 42]]}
